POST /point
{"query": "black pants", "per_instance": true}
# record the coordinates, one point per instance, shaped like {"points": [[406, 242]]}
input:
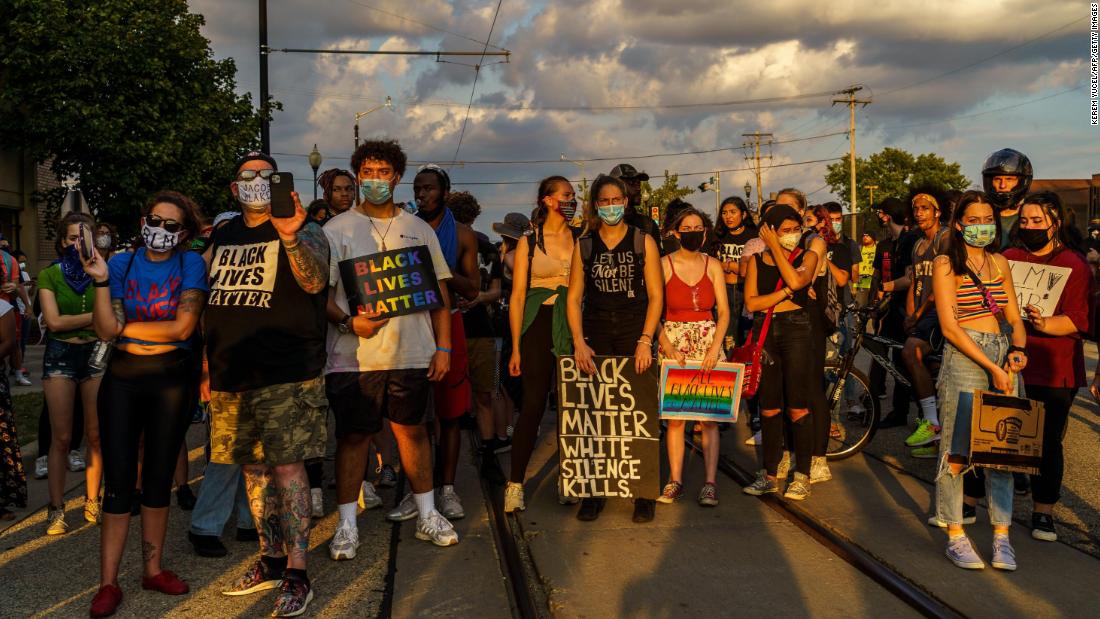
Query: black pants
{"points": [[786, 382], [735, 296], [1046, 487], [150, 394], [818, 406], [614, 334], [538, 368], [893, 327]]}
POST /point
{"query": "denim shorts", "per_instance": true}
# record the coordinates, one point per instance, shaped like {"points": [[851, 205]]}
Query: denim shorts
{"points": [[68, 360]]}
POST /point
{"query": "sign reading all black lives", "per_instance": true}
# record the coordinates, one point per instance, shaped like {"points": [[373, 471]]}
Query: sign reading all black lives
{"points": [[608, 430], [392, 283]]}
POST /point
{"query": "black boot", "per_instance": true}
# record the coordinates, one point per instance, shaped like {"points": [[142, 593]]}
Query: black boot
{"points": [[643, 510], [590, 509]]}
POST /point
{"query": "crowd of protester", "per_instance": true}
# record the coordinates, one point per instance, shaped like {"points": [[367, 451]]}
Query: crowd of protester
{"points": [[245, 322]]}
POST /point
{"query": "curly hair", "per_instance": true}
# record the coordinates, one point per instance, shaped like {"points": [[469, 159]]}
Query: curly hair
{"points": [[328, 177], [192, 214], [381, 150], [464, 206]]}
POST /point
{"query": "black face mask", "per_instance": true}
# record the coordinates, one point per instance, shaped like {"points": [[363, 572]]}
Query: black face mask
{"points": [[692, 241], [1034, 239]]}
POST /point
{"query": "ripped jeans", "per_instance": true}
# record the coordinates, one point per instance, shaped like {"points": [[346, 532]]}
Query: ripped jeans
{"points": [[959, 374]]}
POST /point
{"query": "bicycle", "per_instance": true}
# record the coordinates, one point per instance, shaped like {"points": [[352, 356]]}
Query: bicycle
{"points": [[850, 430]]}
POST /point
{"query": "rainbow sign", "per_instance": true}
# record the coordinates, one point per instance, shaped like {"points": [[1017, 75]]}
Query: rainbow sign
{"points": [[689, 394], [392, 283]]}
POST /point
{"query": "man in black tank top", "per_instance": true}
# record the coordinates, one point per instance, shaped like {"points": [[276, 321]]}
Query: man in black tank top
{"points": [[265, 335]]}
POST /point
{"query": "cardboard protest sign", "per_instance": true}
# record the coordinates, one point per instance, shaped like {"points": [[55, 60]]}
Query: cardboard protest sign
{"points": [[392, 283], [688, 393], [608, 430], [998, 431], [1040, 285]]}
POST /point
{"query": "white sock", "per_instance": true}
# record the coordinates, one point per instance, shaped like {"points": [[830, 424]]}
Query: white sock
{"points": [[348, 512], [425, 502], [928, 407]]}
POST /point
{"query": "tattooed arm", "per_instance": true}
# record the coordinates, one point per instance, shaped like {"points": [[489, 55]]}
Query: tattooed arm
{"points": [[306, 247], [167, 331]]}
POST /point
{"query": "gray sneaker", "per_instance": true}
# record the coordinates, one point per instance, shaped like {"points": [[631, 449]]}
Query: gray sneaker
{"points": [[961, 552], [41, 467], [436, 529], [1004, 557], [785, 466], [762, 485], [449, 504], [405, 510], [799, 489], [344, 543], [368, 498], [819, 470], [708, 496]]}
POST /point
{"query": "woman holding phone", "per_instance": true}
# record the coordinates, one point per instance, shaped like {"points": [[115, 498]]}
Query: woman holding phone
{"points": [[67, 296]]}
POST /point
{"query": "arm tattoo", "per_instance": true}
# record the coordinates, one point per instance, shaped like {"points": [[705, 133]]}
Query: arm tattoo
{"points": [[191, 302], [309, 258], [120, 313]]}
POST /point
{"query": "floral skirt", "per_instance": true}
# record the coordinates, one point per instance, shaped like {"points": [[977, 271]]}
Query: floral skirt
{"points": [[13, 481], [693, 339]]}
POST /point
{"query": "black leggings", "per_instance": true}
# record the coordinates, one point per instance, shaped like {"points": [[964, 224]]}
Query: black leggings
{"points": [[819, 408], [150, 394], [537, 369], [1046, 487]]}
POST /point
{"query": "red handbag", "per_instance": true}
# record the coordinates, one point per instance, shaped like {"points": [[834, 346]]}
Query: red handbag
{"points": [[749, 354]]}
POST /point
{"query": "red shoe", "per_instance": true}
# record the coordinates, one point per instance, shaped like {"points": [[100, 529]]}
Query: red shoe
{"points": [[166, 582], [106, 601]]}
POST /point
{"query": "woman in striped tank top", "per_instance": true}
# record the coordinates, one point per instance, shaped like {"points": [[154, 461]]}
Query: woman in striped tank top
{"points": [[976, 306]]}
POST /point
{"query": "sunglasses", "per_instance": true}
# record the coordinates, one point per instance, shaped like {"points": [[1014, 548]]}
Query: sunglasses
{"points": [[168, 225], [247, 175]]}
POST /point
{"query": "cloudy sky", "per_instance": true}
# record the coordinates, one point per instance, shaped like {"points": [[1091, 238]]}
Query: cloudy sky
{"points": [[960, 78]]}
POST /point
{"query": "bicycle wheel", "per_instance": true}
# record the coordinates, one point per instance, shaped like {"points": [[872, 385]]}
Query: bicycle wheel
{"points": [[854, 413]]}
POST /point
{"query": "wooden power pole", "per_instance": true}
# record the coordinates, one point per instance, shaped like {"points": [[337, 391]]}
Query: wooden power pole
{"points": [[851, 102], [754, 140]]}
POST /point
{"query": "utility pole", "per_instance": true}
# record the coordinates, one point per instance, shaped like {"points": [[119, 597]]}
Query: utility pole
{"points": [[851, 101], [871, 200], [754, 140], [265, 125]]}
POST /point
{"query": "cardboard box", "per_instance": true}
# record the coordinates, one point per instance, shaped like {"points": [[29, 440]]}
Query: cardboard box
{"points": [[1006, 432]]}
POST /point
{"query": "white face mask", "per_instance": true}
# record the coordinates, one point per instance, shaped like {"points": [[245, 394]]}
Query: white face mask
{"points": [[254, 195], [159, 240], [103, 241], [790, 241]]}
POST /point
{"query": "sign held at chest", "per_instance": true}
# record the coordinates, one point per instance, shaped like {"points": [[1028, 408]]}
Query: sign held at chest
{"points": [[392, 283]]}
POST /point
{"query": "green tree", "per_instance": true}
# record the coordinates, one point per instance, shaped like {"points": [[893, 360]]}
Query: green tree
{"points": [[893, 171], [666, 192], [124, 94]]}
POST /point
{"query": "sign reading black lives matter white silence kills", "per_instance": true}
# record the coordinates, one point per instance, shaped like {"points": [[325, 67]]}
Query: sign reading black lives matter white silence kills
{"points": [[392, 283], [608, 430]]}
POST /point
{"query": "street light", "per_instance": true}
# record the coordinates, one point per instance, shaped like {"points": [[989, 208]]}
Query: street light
{"points": [[315, 160], [714, 184], [358, 115]]}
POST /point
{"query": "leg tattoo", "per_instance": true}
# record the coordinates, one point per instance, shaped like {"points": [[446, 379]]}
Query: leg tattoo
{"points": [[263, 501], [148, 551], [295, 512]]}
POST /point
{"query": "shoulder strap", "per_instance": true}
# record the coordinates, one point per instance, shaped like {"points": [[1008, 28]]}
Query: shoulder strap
{"points": [[671, 267], [987, 298], [771, 310], [639, 243], [586, 248]]}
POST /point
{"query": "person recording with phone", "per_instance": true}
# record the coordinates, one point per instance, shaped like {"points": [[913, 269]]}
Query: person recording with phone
{"points": [[148, 302], [66, 294]]}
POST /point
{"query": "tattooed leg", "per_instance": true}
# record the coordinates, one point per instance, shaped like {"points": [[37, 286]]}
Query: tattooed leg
{"points": [[154, 528], [263, 502], [294, 511]]}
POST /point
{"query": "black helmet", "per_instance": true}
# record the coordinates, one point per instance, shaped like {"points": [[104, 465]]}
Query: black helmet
{"points": [[1007, 162]]}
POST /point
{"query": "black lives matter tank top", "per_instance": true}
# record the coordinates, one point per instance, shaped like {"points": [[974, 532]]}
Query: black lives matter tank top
{"points": [[262, 329]]}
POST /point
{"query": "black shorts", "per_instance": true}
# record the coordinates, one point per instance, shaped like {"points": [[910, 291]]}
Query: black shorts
{"points": [[359, 400], [928, 329], [787, 375]]}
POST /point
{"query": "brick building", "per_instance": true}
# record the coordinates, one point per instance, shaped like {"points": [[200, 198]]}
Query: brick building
{"points": [[22, 220], [1081, 196]]}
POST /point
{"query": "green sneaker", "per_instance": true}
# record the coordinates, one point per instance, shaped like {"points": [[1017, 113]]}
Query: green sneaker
{"points": [[927, 452], [926, 433]]}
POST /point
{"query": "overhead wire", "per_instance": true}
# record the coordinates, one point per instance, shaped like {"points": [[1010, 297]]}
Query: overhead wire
{"points": [[473, 89], [424, 24]]}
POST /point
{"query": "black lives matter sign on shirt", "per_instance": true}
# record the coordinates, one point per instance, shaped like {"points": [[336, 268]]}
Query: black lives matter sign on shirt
{"points": [[244, 275], [608, 430], [392, 283]]}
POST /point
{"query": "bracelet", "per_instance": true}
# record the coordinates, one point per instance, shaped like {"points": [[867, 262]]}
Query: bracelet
{"points": [[442, 349], [103, 284], [293, 247]]}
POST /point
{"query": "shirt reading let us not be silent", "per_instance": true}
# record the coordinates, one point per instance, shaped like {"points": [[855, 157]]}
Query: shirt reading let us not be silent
{"points": [[404, 342]]}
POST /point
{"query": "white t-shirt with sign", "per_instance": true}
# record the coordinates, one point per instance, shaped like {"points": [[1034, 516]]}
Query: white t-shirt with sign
{"points": [[405, 342]]}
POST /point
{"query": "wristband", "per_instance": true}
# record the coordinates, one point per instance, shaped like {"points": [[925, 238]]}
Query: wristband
{"points": [[442, 349], [103, 284]]}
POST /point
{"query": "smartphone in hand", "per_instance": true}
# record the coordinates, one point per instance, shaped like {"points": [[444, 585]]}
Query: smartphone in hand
{"points": [[282, 204], [85, 244]]}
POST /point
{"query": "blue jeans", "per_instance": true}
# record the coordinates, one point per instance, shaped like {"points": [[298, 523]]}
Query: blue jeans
{"points": [[222, 486], [959, 374]]}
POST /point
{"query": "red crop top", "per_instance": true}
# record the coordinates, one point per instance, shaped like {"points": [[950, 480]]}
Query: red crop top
{"points": [[684, 303]]}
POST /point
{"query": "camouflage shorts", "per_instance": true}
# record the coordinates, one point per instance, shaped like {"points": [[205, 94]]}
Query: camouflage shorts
{"points": [[280, 424]]}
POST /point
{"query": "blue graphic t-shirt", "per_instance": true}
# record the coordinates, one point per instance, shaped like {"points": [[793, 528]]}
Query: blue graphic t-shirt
{"points": [[152, 290]]}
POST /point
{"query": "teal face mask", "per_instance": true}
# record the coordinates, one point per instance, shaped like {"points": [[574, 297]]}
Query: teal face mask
{"points": [[838, 226], [611, 214], [377, 192], [979, 235]]}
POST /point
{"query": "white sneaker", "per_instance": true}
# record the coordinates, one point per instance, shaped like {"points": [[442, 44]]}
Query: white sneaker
{"points": [[819, 470], [405, 510], [22, 379], [344, 542], [436, 529], [755, 439], [450, 505], [76, 461], [513, 498], [316, 498], [41, 467], [368, 498]]}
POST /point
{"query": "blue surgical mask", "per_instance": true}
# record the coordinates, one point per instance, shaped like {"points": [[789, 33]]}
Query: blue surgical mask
{"points": [[611, 214], [979, 235], [838, 226], [375, 191]]}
